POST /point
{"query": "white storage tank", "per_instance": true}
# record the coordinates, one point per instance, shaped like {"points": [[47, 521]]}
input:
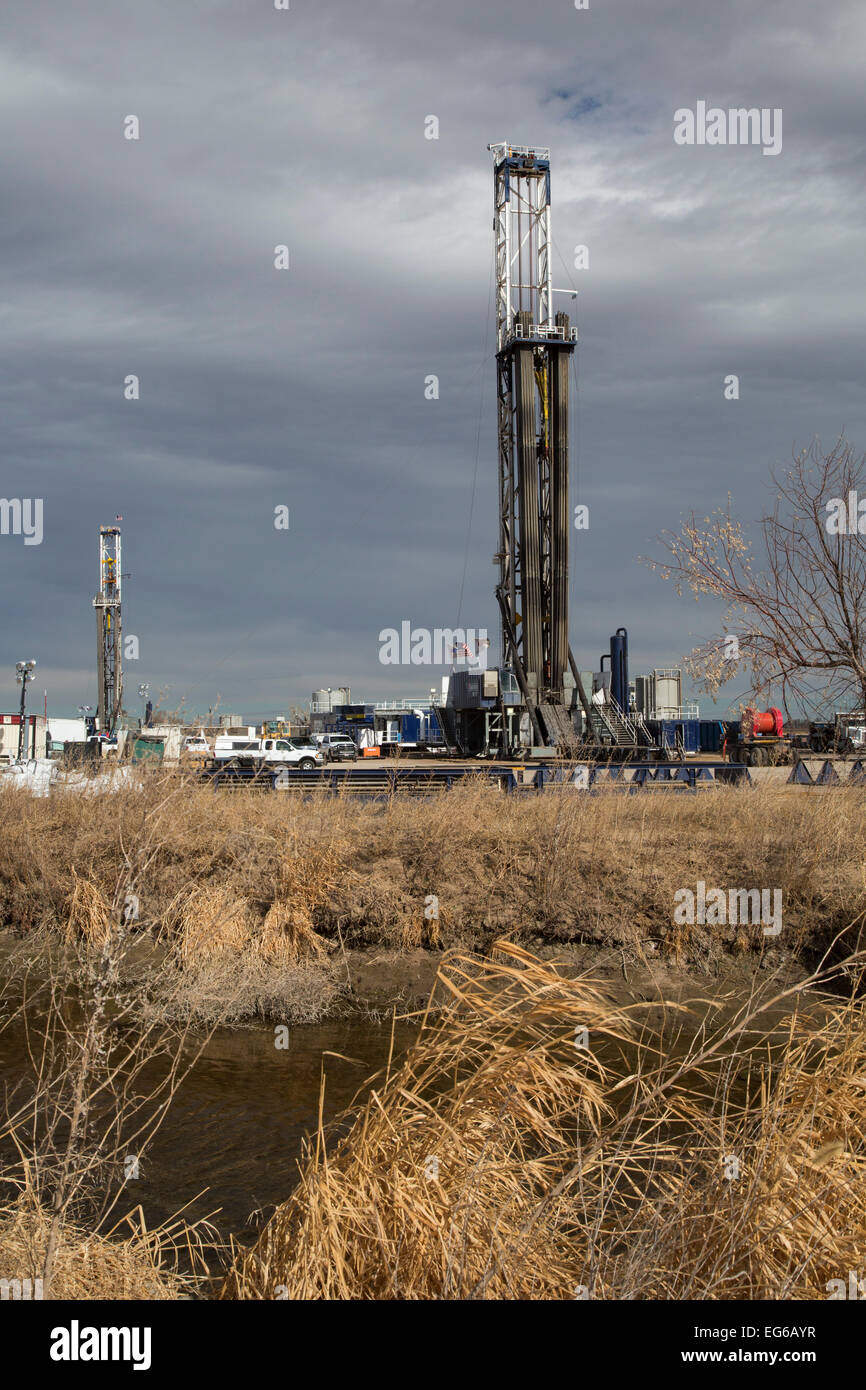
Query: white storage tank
{"points": [[668, 692]]}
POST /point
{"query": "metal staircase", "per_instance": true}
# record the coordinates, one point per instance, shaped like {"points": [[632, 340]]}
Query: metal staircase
{"points": [[611, 725]]}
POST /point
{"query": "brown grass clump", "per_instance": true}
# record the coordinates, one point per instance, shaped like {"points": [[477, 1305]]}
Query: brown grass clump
{"points": [[795, 1217], [130, 1262], [208, 923], [421, 928], [89, 916], [513, 1155], [287, 935]]}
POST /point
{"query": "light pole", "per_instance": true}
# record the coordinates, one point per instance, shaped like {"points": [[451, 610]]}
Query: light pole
{"points": [[24, 673], [142, 690]]}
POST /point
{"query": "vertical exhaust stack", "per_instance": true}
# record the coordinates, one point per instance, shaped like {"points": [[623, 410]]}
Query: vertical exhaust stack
{"points": [[109, 664], [619, 668], [533, 352]]}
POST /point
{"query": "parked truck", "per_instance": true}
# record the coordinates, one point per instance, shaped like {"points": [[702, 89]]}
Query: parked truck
{"points": [[195, 750], [844, 735], [258, 752]]}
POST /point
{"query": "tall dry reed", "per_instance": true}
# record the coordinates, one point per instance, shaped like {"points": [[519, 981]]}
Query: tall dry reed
{"points": [[540, 1143]]}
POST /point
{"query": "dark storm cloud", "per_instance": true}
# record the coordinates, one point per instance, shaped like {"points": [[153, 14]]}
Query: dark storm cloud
{"points": [[305, 387]]}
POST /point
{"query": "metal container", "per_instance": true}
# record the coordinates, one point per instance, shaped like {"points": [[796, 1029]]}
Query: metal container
{"points": [[677, 734], [357, 713], [410, 728], [711, 733], [467, 690], [643, 694]]}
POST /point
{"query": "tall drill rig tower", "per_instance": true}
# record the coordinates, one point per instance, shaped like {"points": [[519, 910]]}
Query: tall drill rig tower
{"points": [[533, 351], [108, 649]]}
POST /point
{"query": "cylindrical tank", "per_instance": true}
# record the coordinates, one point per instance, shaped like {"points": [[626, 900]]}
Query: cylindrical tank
{"points": [[667, 692], [322, 699], [619, 668], [342, 695]]}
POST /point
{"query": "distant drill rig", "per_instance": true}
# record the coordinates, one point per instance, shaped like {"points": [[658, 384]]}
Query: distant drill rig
{"points": [[534, 347], [108, 648]]}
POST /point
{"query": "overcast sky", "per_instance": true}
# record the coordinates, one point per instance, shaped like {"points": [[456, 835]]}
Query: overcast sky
{"points": [[305, 387]]}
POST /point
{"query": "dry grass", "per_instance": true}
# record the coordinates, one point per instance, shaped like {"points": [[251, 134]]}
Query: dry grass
{"points": [[284, 881], [287, 934], [208, 922], [499, 1160], [89, 916], [129, 1262]]}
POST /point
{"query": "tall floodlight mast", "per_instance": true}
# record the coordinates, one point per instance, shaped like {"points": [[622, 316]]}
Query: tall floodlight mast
{"points": [[534, 346], [108, 653]]}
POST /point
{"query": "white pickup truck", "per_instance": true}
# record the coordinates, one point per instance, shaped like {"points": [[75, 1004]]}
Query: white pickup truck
{"points": [[280, 751], [195, 746]]}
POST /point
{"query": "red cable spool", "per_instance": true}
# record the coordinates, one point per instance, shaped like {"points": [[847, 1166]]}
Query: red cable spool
{"points": [[767, 722]]}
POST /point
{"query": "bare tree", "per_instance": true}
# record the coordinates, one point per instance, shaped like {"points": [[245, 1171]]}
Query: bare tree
{"points": [[795, 616]]}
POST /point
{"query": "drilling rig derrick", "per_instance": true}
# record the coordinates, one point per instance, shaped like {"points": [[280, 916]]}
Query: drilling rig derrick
{"points": [[108, 631], [534, 348]]}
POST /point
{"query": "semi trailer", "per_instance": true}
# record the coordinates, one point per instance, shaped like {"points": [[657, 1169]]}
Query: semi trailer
{"points": [[757, 739]]}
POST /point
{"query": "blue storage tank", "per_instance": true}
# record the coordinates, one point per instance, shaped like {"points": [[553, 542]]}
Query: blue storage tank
{"points": [[619, 668]]}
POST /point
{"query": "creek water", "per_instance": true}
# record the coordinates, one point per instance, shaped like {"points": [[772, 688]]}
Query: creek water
{"points": [[237, 1124]]}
